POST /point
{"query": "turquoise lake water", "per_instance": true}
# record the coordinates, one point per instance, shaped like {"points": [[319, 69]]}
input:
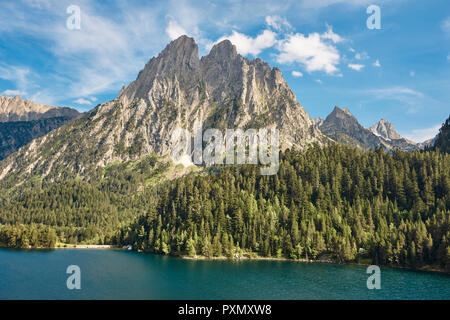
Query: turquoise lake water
{"points": [[115, 274]]}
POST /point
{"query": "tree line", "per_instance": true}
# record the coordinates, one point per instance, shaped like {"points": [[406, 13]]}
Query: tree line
{"points": [[336, 203]]}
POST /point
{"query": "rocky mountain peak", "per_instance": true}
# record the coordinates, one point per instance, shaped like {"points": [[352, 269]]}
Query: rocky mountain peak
{"points": [[181, 53], [175, 89], [178, 62], [340, 120], [223, 51], [385, 129], [341, 113], [342, 126]]}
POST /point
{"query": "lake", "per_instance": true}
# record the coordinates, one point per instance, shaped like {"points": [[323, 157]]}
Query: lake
{"points": [[116, 274]]}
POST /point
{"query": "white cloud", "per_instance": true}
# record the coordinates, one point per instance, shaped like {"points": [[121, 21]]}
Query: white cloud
{"points": [[396, 91], [18, 75], [412, 73], [420, 135], [448, 57], [93, 99], [118, 38], [411, 99], [26, 83], [174, 30], [329, 34], [361, 56], [108, 49], [45, 96], [278, 23], [355, 66], [377, 63], [82, 101], [311, 51], [318, 81], [14, 93], [248, 45], [445, 25], [38, 3], [351, 50], [297, 74], [317, 4]]}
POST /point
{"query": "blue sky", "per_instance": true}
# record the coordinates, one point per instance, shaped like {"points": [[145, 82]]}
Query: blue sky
{"points": [[327, 54]]}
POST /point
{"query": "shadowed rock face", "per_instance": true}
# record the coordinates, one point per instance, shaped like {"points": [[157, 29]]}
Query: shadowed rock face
{"points": [[17, 109], [15, 134], [442, 140], [176, 88], [342, 126], [23, 120]]}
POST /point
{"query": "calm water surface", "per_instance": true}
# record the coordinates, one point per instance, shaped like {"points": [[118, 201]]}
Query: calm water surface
{"points": [[114, 274]]}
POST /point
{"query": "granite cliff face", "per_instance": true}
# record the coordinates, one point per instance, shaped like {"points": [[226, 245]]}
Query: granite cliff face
{"points": [[176, 88], [222, 90]]}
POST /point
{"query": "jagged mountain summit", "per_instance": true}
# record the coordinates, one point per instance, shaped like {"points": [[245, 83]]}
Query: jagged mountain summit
{"points": [[341, 126], [17, 109], [385, 129], [176, 88], [222, 90]]}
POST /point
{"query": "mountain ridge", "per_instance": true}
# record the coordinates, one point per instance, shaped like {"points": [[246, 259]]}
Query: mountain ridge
{"points": [[21, 121], [342, 126], [221, 90], [18, 109]]}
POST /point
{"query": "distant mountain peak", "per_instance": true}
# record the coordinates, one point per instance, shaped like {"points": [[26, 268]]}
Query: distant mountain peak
{"points": [[341, 112], [341, 126], [340, 120], [385, 129], [18, 109]]}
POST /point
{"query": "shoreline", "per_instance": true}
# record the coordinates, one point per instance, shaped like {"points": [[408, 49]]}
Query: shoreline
{"points": [[428, 269], [86, 246]]}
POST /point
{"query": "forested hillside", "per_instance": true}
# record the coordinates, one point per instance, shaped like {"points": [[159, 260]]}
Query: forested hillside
{"points": [[443, 138], [335, 202], [75, 211]]}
